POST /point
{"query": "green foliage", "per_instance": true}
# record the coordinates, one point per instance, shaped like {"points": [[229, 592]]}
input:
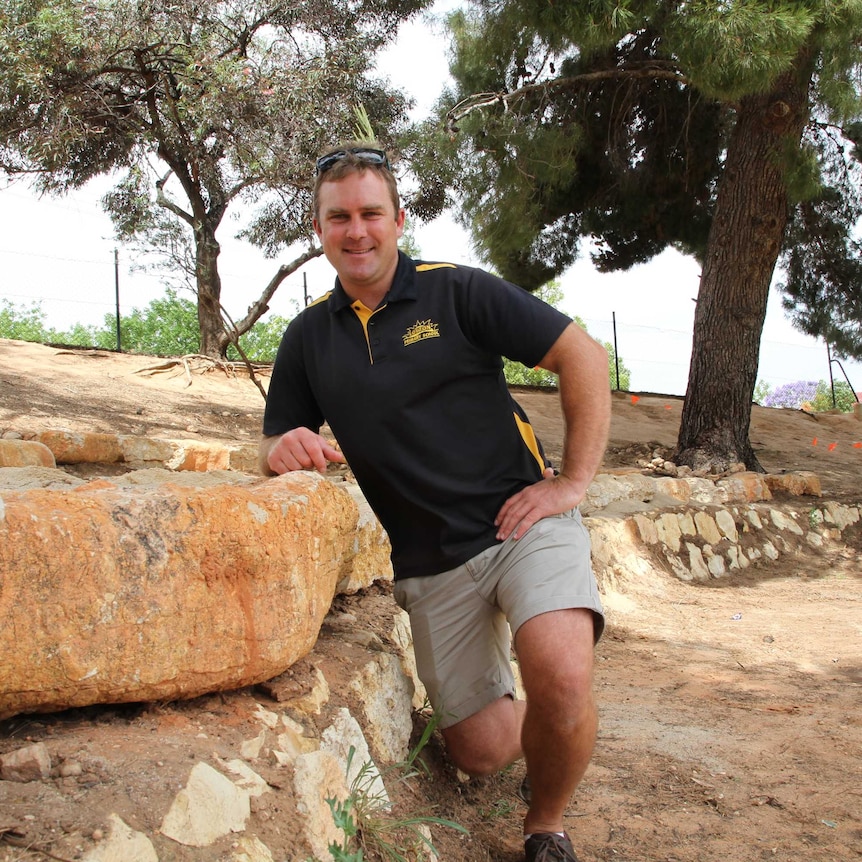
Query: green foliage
{"points": [[761, 392], [168, 326], [366, 816], [623, 382], [823, 266], [733, 50], [260, 343], [23, 323], [342, 816], [28, 324], [517, 374], [88, 336], [165, 327], [813, 396], [823, 399]]}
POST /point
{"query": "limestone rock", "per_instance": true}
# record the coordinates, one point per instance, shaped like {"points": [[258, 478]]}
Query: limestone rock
{"points": [[24, 478], [841, 516], [163, 593], [142, 450], [724, 521], [199, 456], [370, 561], [31, 763], [402, 637], [25, 453], [745, 487], [317, 776], [784, 522], [70, 447], [799, 483], [607, 488], [154, 476], [706, 527], [243, 458], [246, 778], [123, 845], [208, 807], [251, 849], [344, 740], [668, 530], [385, 694]]}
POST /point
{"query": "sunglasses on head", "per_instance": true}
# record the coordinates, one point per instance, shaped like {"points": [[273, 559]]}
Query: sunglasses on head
{"points": [[364, 154]]}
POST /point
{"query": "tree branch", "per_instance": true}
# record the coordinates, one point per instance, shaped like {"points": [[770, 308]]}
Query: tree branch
{"points": [[479, 101], [259, 307], [164, 201]]}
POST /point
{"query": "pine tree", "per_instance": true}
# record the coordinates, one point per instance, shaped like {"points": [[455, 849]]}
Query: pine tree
{"points": [[704, 126]]}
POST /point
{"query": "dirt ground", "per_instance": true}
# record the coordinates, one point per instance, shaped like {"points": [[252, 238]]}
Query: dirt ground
{"points": [[730, 724]]}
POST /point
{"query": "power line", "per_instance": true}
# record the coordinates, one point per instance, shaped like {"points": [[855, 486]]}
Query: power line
{"points": [[54, 257]]}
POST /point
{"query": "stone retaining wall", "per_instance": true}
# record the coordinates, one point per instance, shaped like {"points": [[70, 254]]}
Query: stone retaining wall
{"points": [[69, 447]]}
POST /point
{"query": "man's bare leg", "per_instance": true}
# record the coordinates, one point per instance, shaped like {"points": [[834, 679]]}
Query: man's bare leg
{"points": [[555, 730], [555, 652], [488, 741]]}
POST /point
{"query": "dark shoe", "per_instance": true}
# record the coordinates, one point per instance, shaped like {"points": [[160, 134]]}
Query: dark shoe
{"points": [[524, 792], [549, 847]]}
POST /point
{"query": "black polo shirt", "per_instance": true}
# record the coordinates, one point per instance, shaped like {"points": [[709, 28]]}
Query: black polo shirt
{"points": [[415, 395]]}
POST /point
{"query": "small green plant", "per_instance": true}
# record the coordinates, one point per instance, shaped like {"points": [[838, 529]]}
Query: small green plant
{"points": [[499, 809], [366, 816], [343, 818], [815, 518]]}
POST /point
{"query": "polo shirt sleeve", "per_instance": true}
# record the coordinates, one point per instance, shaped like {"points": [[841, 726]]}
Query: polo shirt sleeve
{"points": [[507, 320], [290, 402]]}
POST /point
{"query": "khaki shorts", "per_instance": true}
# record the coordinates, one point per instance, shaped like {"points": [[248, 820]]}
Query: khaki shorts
{"points": [[461, 619]]}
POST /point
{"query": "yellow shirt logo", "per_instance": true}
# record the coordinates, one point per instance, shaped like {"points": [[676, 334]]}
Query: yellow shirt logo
{"points": [[421, 330]]}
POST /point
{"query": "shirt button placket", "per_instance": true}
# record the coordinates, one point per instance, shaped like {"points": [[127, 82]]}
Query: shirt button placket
{"points": [[374, 340]]}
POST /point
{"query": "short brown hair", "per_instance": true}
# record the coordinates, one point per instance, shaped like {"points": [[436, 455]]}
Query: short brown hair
{"points": [[352, 164]]}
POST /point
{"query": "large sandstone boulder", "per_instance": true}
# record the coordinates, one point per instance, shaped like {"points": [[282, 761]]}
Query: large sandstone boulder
{"points": [[112, 594]]}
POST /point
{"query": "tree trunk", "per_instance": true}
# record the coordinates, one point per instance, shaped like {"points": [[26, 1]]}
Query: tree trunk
{"points": [[214, 340], [742, 249]]}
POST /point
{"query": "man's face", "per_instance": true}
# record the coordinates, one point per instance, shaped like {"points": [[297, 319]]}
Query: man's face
{"points": [[359, 229]]}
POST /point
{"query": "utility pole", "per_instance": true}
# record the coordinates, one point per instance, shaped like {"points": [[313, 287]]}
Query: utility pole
{"points": [[117, 293]]}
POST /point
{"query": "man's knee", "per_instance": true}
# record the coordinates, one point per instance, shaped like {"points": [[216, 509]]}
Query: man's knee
{"points": [[476, 757], [488, 741]]}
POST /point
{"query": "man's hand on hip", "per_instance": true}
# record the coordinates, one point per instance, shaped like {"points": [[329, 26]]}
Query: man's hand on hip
{"points": [[550, 496]]}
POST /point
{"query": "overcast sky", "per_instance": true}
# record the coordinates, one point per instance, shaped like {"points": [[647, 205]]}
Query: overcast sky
{"points": [[60, 253]]}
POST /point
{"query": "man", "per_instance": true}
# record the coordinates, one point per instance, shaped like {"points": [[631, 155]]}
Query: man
{"points": [[403, 360]]}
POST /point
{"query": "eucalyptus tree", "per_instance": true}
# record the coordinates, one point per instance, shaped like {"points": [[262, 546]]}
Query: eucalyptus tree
{"points": [[200, 105], [642, 124]]}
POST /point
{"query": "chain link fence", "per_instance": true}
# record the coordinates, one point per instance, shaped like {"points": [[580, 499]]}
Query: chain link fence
{"points": [[789, 374]]}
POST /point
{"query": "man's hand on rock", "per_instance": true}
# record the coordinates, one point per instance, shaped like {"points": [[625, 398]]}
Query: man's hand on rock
{"points": [[302, 449]]}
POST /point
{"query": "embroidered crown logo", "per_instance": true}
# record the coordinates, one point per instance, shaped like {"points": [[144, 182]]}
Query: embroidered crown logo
{"points": [[421, 330]]}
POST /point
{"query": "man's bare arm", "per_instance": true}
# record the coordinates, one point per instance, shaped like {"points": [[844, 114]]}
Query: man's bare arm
{"points": [[582, 365]]}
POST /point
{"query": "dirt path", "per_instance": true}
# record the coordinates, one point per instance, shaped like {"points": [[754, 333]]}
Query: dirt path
{"points": [[731, 725]]}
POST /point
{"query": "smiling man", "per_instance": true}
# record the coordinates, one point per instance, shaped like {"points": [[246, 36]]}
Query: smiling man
{"points": [[403, 359]]}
